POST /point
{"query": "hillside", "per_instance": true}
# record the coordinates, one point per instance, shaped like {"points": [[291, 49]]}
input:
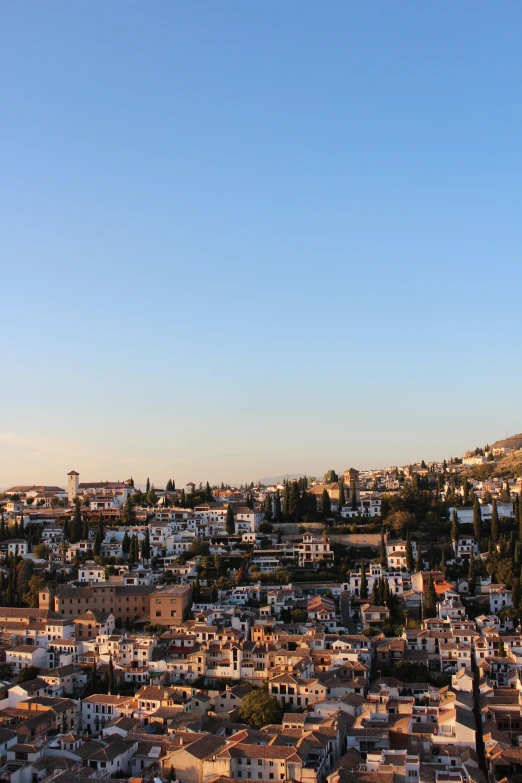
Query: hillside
{"points": [[513, 442]]}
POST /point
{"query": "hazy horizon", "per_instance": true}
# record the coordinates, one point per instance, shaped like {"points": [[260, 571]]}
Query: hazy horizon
{"points": [[242, 240]]}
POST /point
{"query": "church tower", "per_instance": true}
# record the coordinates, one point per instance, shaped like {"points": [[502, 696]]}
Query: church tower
{"points": [[73, 479]]}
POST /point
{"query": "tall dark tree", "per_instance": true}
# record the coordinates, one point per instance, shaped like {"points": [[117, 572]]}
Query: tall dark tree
{"points": [[454, 525], [430, 599], [66, 529], [354, 495], [134, 553], [477, 518], [516, 594], [268, 507], [278, 514], [110, 677], [341, 495], [128, 515], [147, 486], [21, 531], [145, 547], [418, 560], [409, 553], [126, 544], [208, 493], [364, 581], [326, 506], [100, 535], [383, 560], [494, 521], [286, 503], [85, 531], [77, 525], [230, 525], [472, 574]]}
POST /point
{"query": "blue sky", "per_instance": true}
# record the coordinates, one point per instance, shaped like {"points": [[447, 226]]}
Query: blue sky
{"points": [[243, 239]]}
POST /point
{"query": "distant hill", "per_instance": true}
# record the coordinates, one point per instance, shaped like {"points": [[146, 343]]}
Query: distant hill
{"points": [[513, 442]]}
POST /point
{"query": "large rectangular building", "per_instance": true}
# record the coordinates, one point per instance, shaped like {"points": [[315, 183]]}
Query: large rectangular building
{"points": [[128, 603], [170, 605]]}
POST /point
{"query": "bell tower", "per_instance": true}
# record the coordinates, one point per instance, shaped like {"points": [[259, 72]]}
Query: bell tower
{"points": [[73, 479]]}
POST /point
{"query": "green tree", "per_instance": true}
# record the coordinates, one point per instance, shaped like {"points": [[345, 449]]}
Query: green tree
{"points": [[109, 677], [383, 560], [76, 526], [145, 547], [477, 518], [278, 514], [28, 673], [128, 515], [472, 574], [230, 525], [126, 544], [134, 551], [364, 581], [341, 495], [32, 594], [147, 486], [22, 580], [494, 521], [326, 506], [41, 551], [409, 553], [353, 494], [259, 709], [100, 535], [454, 525], [268, 507], [430, 598], [516, 593]]}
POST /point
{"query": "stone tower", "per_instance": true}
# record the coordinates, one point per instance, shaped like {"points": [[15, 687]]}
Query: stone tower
{"points": [[73, 479]]}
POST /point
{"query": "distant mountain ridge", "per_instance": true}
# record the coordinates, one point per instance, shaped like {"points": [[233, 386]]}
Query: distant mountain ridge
{"points": [[268, 480]]}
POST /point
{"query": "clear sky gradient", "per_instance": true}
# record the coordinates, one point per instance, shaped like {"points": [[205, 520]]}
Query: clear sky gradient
{"points": [[241, 239]]}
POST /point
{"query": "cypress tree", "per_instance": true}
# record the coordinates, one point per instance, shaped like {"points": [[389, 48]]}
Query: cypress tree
{"points": [[85, 531], [145, 547], [494, 521], [443, 561], [382, 555], [430, 598], [100, 535], [354, 495], [277, 507], [183, 499], [515, 596], [454, 526], [230, 525], [409, 553], [208, 493], [375, 594], [110, 677], [147, 486], [2, 529], [76, 526], [22, 529], [326, 506], [477, 518], [126, 544], [472, 575], [268, 507], [341, 495], [286, 503], [128, 515], [364, 581], [418, 561]]}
